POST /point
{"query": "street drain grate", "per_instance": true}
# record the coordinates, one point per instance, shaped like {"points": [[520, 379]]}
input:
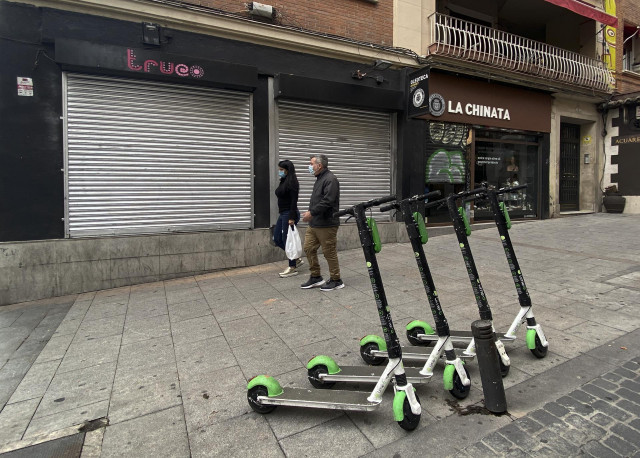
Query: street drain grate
{"points": [[65, 447]]}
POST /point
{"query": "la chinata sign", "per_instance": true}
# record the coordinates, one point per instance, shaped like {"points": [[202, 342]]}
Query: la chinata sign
{"points": [[461, 100]]}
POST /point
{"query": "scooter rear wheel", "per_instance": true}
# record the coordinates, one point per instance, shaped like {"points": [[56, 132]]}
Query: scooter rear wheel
{"points": [[410, 420], [412, 337], [252, 397], [313, 375], [367, 357], [540, 351]]}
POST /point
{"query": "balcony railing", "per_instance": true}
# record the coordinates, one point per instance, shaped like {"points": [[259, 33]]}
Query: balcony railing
{"points": [[469, 41]]}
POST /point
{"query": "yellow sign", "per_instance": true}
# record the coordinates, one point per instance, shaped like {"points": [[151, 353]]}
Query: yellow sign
{"points": [[586, 140], [610, 37]]}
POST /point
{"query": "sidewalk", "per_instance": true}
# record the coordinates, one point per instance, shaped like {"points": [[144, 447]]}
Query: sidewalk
{"points": [[166, 364]]}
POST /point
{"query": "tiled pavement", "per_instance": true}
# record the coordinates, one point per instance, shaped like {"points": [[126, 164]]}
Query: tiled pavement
{"points": [[167, 363]]}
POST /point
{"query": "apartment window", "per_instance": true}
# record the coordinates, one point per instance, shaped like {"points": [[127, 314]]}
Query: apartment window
{"points": [[631, 49]]}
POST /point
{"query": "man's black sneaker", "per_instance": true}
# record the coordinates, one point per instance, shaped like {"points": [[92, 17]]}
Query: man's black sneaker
{"points": [[331, 285], [312, 283]]}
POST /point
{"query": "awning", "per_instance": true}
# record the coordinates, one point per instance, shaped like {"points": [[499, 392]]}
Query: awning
{"points": [[586, 10]]}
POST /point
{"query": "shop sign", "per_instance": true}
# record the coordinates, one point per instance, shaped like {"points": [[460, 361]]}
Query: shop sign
{"points": [[153, 63], [467, 101], [25, 86], [615, 141], [160, 66]]}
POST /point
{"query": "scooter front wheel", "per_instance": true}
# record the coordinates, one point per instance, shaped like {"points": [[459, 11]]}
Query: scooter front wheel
{"points": [[504, 370], [410, 420], [367, 357], [252, 397], [539, 351], [459, 390]]}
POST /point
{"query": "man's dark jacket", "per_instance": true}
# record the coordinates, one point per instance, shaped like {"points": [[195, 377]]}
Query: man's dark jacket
{"points": [[325, 200]]}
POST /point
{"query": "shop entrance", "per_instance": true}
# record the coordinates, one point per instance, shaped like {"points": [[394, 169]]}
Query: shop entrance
{"points": [[569, 166]]}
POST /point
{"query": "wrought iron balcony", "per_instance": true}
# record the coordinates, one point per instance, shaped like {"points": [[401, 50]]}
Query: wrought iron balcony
{"points": [[469, 41]]}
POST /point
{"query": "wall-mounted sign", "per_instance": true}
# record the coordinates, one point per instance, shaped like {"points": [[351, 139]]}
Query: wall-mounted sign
{"points": [[25, 86], [469, 101], [153, 63], [615, 141], [418, 91]]}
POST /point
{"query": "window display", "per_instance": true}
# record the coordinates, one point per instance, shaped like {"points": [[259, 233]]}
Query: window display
{"points": [[505, 160]]}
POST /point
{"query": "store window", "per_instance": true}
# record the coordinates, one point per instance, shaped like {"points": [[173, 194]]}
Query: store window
{"points": [[446, 164], [506, 160]]}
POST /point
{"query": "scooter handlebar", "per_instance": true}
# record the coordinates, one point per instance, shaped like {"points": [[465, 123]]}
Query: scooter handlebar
{"points": [[370, 203], [435, 203], [418, 198], [514, 188], [463, 194], [424, 196]]}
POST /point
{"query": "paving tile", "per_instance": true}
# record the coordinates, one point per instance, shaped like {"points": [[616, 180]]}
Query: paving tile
{"points": [[270, 356], [86, 353], [61, 420], [187, 310], [184, 295], [147, 353], [78, 388], [149, 328], [195, 329], [14, 420], [137, 393], [247, 435], [56, 348], [213, 397], [246, 330], [338, 437], [203, 356], [35, 382], [160, 434], [102, 327]]}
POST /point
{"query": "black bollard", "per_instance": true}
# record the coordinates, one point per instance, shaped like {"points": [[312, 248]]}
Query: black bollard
{"points": [[488, 361]]}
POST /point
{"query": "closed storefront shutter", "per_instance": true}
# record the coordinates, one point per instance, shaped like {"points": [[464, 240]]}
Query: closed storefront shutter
{"points": [[151, 157], [357, 142]]}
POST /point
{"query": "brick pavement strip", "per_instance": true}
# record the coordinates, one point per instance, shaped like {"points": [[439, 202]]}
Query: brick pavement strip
{"points": [[605, 427]]}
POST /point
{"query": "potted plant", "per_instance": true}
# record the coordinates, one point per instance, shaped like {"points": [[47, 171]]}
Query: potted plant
{"points": [[612, 200]]}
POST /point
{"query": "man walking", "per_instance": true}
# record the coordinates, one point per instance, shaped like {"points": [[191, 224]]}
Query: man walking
{"points": [[323, 227]]}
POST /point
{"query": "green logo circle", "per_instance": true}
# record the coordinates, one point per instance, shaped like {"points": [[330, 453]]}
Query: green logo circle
{"points": [[368, 264]]}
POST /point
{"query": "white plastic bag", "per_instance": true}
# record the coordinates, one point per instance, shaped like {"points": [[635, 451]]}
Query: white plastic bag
{"points": [[293, 247]]}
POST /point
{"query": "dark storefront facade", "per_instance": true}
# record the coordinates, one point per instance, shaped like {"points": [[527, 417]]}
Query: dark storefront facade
{"points": [[127, 138], [482, 132]]}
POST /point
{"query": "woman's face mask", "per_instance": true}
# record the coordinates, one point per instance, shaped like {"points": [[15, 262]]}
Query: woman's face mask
{"points": [[281, 173]]}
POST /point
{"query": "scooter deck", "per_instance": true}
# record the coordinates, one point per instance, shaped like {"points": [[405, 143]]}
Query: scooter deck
{"points": [[371, 374], [322, 399], [415, 354], [459, 336]]}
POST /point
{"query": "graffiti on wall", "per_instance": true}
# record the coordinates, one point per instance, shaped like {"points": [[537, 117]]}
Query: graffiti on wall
{"points": [[446, 167]]}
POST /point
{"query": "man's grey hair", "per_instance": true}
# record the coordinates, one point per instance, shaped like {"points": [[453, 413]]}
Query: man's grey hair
{"points": [[322, 159]]}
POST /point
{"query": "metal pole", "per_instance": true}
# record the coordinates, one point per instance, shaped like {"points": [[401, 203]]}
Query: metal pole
{"points": [[494, 397]]}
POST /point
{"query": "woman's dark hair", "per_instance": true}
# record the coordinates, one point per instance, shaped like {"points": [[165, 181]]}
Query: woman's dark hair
{"points": [[290, 180]]}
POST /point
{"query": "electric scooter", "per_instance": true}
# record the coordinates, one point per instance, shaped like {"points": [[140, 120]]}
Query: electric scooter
{"points": [[456, 378], [264, 393], [419, 335], [536, 340]]}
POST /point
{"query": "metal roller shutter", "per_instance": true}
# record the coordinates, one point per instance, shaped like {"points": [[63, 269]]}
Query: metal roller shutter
{"points": [[357, 142], [150, 157]]}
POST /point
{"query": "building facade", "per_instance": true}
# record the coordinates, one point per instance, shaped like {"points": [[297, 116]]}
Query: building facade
{"points": [[141, 138]]}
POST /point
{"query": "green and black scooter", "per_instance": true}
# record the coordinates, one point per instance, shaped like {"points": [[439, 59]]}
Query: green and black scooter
{"points": [[456, 378], [535, 338], [264, 393], [420, 335]]}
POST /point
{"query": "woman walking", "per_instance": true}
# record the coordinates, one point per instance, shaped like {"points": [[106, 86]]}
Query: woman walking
{"points": [[287, 194]]}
